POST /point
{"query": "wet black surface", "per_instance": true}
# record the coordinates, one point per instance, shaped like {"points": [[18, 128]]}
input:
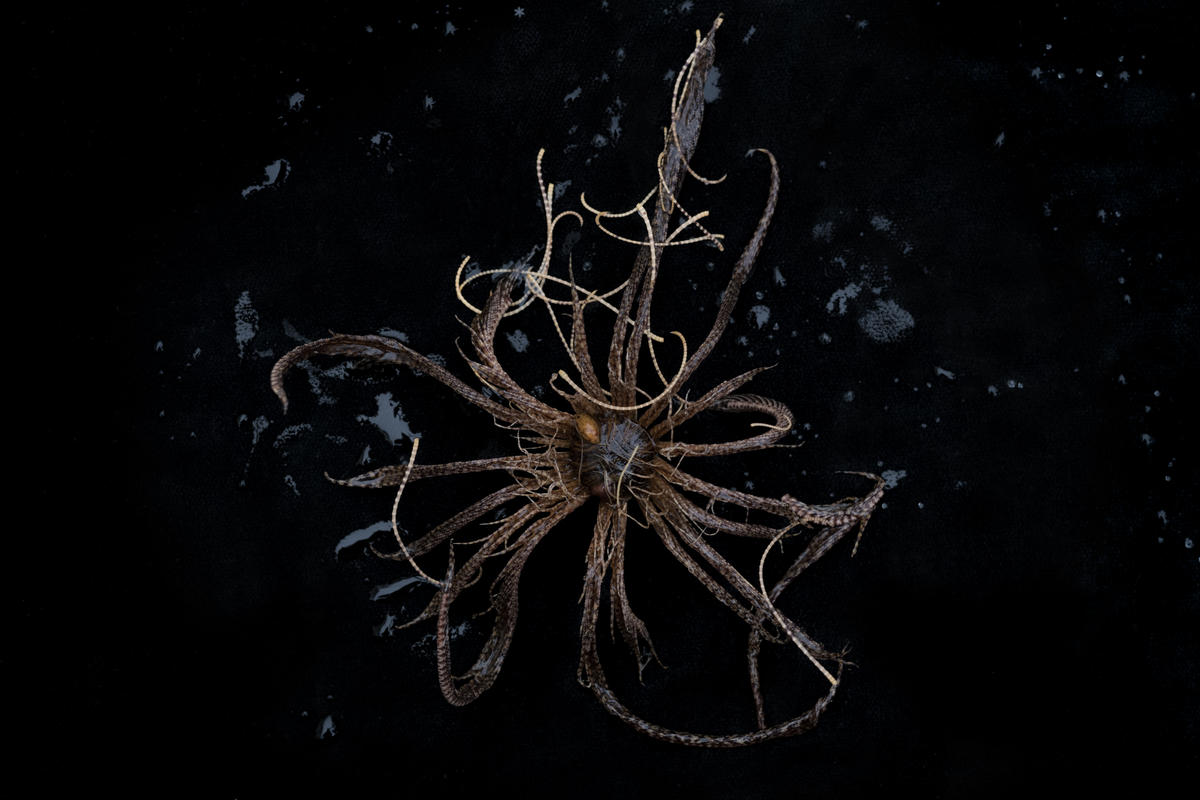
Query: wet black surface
{"points": [[981, 277]]}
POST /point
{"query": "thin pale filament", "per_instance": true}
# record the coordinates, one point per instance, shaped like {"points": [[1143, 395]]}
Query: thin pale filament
{"points": [[412, 457], [670, 388], [762, 585], [625, 468]]}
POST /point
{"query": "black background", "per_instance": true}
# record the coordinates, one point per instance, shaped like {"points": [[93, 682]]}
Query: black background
{"points": [[1020, 178]]}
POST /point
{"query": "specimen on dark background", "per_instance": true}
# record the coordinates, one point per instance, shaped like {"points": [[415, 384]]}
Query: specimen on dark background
{"points": [[615, 444]]}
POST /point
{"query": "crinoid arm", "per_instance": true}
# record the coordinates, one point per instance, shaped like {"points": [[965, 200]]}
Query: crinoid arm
{"points": [[592, 675], [442, 532], [479, 678], [758, 607], [382, 350], [781, 425], [690, 408], [667, 512], [392, 475], [850, 510], [788, 507], [687, 113], [621, 615], [535, 414], [818, 546], [741, 273]]}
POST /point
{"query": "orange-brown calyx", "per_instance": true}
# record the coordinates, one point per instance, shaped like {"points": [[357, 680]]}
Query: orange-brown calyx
{"points": [[588, 427]]}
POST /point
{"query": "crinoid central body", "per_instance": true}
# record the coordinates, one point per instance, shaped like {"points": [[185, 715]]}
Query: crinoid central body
{"points": [[615, 454], [615, 443]]}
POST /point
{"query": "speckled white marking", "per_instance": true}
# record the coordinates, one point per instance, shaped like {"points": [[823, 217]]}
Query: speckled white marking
{"points": [[839, 299], [886, 322], [245, 322]]}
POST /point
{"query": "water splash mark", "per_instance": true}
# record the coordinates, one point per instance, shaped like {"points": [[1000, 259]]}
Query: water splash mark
{"points": [[1011, 383], [292, 333], [842, 297], [289, 433], [389, 418], [387, 626], [613, 132], [257, 427], [361, 535], [428, 643], [387, 589], [823, 232], [881, 223], [560, 191], [891, 477], [276, 172], [245, 322], [314, 374], [326, 729], [380, 143], [886, 322], [395, 334], [518, 340], [760, 314]]}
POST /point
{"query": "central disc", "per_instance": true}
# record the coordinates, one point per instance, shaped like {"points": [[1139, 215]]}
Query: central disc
{"points": [[615, 455]]}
